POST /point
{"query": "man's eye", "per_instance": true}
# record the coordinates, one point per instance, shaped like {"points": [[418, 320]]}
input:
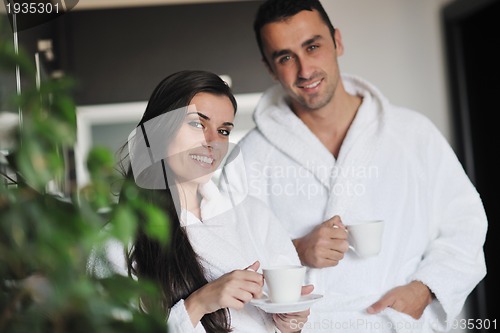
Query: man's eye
{"points": [[284, 59], [195, 124], [312, 47], [224, 132]]}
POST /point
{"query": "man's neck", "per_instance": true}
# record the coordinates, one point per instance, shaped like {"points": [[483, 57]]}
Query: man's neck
{"points": [[331, 123]]}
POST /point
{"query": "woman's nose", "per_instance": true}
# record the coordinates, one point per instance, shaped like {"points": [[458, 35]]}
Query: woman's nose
{"points": [[211, 138]]}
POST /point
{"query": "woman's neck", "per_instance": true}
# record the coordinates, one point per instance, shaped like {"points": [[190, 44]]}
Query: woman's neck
{"points": [[190, 198]]}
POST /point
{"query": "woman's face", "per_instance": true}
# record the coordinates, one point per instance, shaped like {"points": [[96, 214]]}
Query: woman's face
{"points": [[202, 140]]}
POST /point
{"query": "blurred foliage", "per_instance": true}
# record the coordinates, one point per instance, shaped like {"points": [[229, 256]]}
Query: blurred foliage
{"points": [[46, 240]]}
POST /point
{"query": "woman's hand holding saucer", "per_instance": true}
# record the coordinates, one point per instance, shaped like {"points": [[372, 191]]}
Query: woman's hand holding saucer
{"points": [[294, 321]]}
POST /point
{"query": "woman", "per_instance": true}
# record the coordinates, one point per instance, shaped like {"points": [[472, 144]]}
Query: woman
{"points": [[208, 273]]}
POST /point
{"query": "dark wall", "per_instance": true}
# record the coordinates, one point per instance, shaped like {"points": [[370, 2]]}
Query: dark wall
{"points": [[119, 55], [481, 40], [473, 37], [7, 72], [28, 35]]}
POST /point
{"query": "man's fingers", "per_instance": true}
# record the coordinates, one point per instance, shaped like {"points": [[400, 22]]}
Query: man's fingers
{"points": [[334, 254], [338, 221], [339, 245], [383, 303], [335, 221]]}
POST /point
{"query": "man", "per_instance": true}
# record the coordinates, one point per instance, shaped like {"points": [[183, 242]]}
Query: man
{"points": [[329, 147]]}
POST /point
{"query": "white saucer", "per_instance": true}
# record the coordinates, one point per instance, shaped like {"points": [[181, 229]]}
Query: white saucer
{"points": [[303, 304]]}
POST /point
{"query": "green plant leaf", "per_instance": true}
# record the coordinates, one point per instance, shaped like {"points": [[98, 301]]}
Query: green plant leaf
{"points": [[124, 224], [157, 225]]}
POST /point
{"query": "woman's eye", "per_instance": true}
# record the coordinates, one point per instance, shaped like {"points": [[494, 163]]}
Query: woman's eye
{"points": [[224, 132], [195, 124]]}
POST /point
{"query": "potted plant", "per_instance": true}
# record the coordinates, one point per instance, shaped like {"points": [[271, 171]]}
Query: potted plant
{"points": [[46, 237]]}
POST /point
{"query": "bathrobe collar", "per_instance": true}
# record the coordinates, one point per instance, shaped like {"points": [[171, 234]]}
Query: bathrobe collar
{"points": [[277, 122], [213, 203]]}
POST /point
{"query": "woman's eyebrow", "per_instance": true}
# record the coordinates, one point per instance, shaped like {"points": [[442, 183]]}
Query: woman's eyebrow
{"points": [[227, 123], [199, 114]]}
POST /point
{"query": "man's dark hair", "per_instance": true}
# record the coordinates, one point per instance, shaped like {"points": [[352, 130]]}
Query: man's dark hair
{"points": [[278, 10]]}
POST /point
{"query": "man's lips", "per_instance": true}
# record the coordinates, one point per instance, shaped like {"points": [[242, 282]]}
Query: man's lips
{"points": [[311, 85]]}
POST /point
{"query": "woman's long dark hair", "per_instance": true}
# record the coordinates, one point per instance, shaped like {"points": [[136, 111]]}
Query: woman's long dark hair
{"points": [[175, 267]]}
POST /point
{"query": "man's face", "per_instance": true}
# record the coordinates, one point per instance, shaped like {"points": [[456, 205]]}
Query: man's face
{"points": [[301, 54]]}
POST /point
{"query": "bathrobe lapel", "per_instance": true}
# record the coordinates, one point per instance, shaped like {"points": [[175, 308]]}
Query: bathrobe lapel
{"points": [[357, 154], [290, 135]]}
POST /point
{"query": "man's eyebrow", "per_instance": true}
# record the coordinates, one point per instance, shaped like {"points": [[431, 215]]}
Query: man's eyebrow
{"points": [[228, 123], [277, 54], [312, 40], [199, 114]]}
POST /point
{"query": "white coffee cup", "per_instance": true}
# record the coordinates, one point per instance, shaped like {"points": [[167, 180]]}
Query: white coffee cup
{"points": [[365, 237], [284, 282]]}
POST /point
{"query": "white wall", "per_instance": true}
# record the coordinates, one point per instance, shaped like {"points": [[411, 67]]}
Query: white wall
{"points": [[396, 45]]}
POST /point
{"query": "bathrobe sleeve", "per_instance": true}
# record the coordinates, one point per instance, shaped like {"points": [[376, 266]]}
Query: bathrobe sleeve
{"points": [[108, 260], [453, 263], [179, 321]]}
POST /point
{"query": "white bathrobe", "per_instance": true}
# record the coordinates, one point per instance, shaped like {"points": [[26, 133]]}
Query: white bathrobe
{"points": [[393, 165], [229, 238], [235, 232]]}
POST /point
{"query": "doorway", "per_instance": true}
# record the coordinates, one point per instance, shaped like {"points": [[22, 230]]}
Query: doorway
{"points": [[472, 38]]}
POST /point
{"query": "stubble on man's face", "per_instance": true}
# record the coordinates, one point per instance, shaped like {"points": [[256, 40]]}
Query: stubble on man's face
{"points": [[301, 55]]}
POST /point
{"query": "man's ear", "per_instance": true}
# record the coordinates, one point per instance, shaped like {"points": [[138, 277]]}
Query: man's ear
{"points": [[338, 42], [269, 69]]}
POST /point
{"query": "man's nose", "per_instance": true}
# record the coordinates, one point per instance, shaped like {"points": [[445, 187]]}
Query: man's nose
{"points": [[305, 68]]}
